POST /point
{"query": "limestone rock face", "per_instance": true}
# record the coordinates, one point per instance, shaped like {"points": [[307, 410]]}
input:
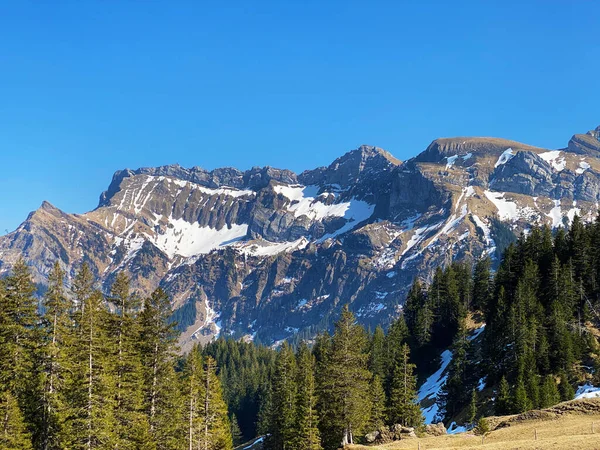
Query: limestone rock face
{"points": [[266, 254]]}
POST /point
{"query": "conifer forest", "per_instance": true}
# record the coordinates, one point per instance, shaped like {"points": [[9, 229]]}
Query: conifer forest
{"points": [[85, 369]]}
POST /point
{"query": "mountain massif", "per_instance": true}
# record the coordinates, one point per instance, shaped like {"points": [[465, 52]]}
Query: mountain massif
{"points": [[268, 254]]}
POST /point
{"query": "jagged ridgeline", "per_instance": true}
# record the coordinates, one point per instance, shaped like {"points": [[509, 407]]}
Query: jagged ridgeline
{"points": [[102, 371], [268, 254]]}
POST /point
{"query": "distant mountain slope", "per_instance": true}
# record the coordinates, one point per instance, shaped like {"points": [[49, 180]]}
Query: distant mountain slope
{"points": [[266, 253]]}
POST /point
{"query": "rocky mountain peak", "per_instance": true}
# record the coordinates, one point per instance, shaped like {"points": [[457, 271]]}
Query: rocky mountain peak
{"points": [[348, 168], [585, 144], [444, 148]]}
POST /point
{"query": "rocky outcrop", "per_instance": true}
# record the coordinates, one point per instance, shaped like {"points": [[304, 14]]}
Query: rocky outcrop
{"points": [[266, 254]]}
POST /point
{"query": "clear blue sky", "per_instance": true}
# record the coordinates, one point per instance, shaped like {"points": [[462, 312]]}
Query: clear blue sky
{"points": [[87, 87]]}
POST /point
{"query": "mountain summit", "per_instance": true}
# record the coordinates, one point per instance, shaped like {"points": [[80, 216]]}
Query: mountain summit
{"points": [[267, 254]]}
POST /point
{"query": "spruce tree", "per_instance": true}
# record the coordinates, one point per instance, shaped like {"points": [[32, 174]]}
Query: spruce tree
{"points": [[377, 358], [193, 388], [216, 433], [521, 402], [503, 399], [403, 406], [90, 423], [130, 420], [549, 394], [566, 390], [345, 383], [283, 414], [161, 393], [18, 335], [236, 434], [13, 431], [55, 361], [473, 407], [378, 404], [306, 420]]}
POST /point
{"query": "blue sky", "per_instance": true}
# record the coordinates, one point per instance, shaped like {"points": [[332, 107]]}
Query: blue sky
{"points": [[87, 88]]}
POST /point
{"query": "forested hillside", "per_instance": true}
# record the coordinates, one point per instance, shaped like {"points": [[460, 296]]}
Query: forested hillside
{"points": [[86, 370]]}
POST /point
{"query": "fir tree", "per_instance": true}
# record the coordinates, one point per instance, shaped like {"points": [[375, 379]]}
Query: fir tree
{"points": [[378, 404], [503, 399], [124, 325], [55, 361], [345, 383], [403, 406], [306, 420], [549, 394], [377, 358], [236, 434], [13, 432], [161, 396], [473, 407], [216, 433], [283, 413]]}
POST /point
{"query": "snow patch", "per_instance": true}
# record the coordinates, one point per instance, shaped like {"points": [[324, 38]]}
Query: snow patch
{"points": [[505, 157], [587, 391], [191, 239], [555, 214], [553, 158], [451, 160], [454, 429], [507, 210], [583, 166]]}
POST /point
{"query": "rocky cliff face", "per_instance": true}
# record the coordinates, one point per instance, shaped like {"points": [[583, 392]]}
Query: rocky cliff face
{"points": [[267, 254]]}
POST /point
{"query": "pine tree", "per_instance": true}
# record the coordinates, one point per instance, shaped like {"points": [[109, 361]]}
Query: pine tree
{"points": [[520, 401], [13, 432], [90, 423], [503, 400], [566, 390], [161, 394], [455, 392], [18, 334], [549, 394], [482, 284], [193, 385], [131, 422], [345, 383], [378, 404], [306, 420], [236, 433], [403, 406], [216, 434], [283, 414], [377, 358], [55, 361], [473, 407]]}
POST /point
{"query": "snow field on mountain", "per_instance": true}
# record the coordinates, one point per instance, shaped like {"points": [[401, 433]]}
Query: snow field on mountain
{"points": [[190, 239]]}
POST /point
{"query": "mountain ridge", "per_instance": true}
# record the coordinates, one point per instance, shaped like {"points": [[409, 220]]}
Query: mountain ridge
{"points": [[235, 247]]}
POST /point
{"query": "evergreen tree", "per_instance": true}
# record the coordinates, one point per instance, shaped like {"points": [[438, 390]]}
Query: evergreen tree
{"points": [[378, 404], [503, 399], [90, 423], [18, 335], [521, 402], [377, 354], [403, 406], [161, 394], [473, 407], [566, 390], [306, 420], [549, 394], [345, 383], [216, 434], [283, 413], [13, 432], [55, 362], [193, 384], [128, 374], [236, 433]]}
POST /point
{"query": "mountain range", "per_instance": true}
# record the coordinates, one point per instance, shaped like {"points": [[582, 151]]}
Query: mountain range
{"points": [[268, 254]]}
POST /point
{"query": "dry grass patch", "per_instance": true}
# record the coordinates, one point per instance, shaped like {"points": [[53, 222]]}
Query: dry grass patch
{"points": [[571, 425]]}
